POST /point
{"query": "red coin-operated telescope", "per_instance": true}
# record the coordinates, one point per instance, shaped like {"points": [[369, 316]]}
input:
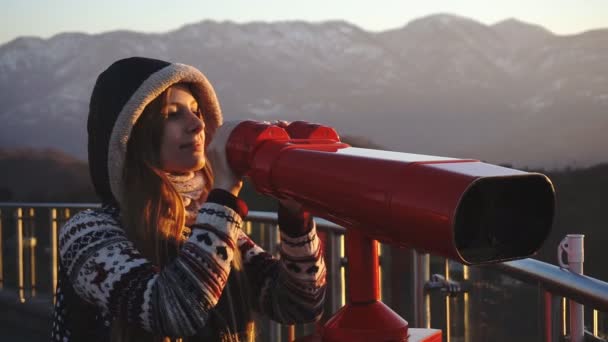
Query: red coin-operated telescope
{"points": [[462, 209]]}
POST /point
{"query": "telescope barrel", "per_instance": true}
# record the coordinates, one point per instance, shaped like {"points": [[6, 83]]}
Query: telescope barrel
{"points": [[462, 209]]}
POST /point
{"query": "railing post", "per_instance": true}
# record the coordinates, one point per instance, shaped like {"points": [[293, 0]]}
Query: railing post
{"points": [[54, 256], [334, 265], [267, 240], [31, 244], [273, 239], [273, 243], [467, 302], [564, 310], [247, 227], [573, 245], [343, 262], [274, 330], [1, 255], [550, 305], [447, 304], [422, 303], [595, 329], [20, 271], [379, 252]]}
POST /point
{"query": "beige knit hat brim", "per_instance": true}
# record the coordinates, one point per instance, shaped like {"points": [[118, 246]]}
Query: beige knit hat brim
{"points": [[151, 88]]}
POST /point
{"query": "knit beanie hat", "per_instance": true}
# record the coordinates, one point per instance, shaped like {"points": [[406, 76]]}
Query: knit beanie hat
{"points": [[119, 97]]}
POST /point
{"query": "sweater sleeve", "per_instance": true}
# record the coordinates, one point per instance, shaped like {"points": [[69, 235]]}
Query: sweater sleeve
{"points": [[290, 289], [106, 270]]}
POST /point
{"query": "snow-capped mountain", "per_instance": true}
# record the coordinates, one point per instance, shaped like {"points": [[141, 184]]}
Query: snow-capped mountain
{"points": [[446, 85]]}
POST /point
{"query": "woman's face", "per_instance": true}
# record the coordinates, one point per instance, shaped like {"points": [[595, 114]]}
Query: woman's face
{"points": [[182, 146]]}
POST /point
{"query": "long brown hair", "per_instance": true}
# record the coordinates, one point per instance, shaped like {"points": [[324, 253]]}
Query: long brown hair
{"points": [[152, 210]]}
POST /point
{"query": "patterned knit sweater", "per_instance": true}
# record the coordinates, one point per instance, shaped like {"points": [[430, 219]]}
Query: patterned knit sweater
{"points": [[103, 277]]}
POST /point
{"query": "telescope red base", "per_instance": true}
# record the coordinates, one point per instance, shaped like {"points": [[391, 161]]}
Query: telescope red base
{"points": [[365, 322]]}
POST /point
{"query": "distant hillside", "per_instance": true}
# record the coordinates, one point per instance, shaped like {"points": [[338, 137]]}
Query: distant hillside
{"points": [[512, 92], [43, 176], [34, 175], [30, 175], [582, 203]]}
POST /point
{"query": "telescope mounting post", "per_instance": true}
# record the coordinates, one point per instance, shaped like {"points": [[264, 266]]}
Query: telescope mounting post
{"points": [[364, 317]]}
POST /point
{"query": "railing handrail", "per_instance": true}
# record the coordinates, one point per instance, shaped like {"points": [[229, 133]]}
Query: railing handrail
{"points": [[48, 205], [271, 217], [586, 290], [262, 216]]}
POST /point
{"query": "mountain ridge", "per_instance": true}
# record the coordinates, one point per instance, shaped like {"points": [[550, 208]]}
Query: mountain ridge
{"points": [[469, 92]]}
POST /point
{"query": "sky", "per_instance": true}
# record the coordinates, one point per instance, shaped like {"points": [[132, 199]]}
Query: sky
{"points": [[45, 18]]}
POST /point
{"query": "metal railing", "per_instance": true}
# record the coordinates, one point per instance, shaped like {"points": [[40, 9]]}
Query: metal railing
{"points": [[554, 281], [554, 284]]}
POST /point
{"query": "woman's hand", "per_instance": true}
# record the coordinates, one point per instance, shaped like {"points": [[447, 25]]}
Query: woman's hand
{"points": [[281, 123], [294, 220], [224, 178], [292, 206]]}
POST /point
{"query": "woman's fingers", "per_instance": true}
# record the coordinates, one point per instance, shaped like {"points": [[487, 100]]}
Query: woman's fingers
{"points": [[216, 155], [281, 123], [291, 205]]}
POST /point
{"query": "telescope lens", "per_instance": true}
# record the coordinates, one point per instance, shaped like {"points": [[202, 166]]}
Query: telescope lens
{"points": [[505, 217]]}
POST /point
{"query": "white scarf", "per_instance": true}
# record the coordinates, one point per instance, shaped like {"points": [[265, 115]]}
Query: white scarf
{"points": [[190, 186]]}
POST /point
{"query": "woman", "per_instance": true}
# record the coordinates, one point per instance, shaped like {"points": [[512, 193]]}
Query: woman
{"points": [[165, 256]]}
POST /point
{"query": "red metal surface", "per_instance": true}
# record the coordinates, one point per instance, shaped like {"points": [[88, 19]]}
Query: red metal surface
{"points": [[363, 275], [245, 138], [365, 322], [400, 203], [364, 318], [397, 198], [441, 205], [307, 130], [415, 335]]}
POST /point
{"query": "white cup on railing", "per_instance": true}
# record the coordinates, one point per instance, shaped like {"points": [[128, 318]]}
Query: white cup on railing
{"points": [[574, 247]]}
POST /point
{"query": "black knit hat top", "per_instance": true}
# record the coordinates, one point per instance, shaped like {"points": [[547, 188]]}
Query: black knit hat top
{"points": [[119, 97]]}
